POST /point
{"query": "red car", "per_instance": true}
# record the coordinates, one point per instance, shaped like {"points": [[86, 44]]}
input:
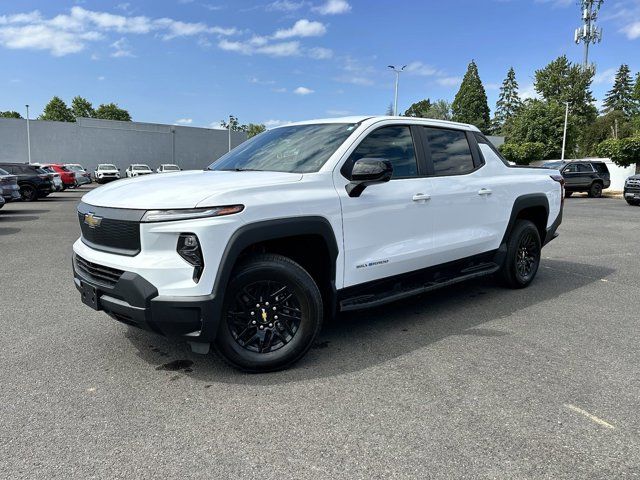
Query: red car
{"points": [[67, 175]]}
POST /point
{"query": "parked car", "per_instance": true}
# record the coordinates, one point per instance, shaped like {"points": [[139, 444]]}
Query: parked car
{"points": [[34, 182], [55, 177], [632, 190], [2, 202], [106, 172], [9, 189], [68, 176], [583, 176], [168, 167], [137, 169], [82, 176], [305, 220]]}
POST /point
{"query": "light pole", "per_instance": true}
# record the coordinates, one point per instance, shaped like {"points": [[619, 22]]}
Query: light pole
{"points": [[395, 100], [230, 119], [564, 134], [28, 137]]}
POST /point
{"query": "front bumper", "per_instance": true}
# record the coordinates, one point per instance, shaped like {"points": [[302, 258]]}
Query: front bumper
{"points": [[134, 301], [11, 194]]}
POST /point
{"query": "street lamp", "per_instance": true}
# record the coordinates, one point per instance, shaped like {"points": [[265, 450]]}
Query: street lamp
{"points": [[230, 120], [398, 72], [564, 134], [28, 137]]}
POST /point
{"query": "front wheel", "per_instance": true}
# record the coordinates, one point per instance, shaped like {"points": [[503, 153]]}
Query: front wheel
{"points": [[523, 255], [29, 193], [272, 311], [633, 203]]}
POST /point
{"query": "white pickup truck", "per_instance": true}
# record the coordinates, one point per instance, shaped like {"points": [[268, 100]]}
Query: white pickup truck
{"points": [[305, 220]]}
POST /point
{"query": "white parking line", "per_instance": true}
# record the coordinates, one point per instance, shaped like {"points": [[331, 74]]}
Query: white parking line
{"points": [[593, 418]]}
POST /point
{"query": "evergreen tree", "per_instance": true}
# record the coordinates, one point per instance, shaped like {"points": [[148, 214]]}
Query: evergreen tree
{"points": [[81, 107], [390, 111], [57, 110], [635, 95], [10, 114], [508, 102], [470, 104], [620, 97], [111, 111], [419, 109]]}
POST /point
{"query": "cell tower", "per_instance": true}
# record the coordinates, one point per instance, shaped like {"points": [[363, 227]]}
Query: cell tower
{"points": [[588, 33]]}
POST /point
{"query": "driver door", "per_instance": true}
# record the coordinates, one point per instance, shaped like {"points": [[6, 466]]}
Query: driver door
{"points": [[387, 229]]}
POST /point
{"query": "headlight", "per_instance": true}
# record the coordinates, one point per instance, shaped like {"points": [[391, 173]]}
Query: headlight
{"points": [[189, 213]]}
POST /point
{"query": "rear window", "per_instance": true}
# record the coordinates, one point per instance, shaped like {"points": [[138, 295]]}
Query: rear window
{"points": [[141, 167], [450, 151], [600, 168]]}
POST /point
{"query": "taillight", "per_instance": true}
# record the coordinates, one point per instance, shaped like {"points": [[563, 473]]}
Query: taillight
{"points": [[560, 180]]}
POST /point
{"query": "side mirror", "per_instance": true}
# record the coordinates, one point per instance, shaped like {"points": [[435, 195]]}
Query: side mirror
{"points": [[368, 171]]}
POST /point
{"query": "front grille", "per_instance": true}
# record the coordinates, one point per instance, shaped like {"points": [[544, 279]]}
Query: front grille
{"points": [[633, 186], [114, 236], [98, 273]]}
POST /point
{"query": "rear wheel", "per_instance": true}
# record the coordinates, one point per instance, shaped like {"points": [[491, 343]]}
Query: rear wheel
{"points": [[29, 193], [567, 193], [596, 190], [523, 255], [272, 312]]}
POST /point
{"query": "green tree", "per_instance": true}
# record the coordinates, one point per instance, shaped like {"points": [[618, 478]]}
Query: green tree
{"points": [[81, 107], [235, 124], [470, 103], [611, 125], [419, 109], [623, 152], [390, 111], [620, 97], [635, 95], [440, 110], [254, 129], [111, 111], [543, 122], [508, 103], [562, 81], [10, 114], [523, 153], [58, 111]]}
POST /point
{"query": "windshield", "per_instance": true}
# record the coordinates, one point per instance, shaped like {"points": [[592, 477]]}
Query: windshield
{"points": [[171, 167], [295, 149], [141, 167], [106, 167], [76, 168], [48, 169], [552, 164], [3, 172]]}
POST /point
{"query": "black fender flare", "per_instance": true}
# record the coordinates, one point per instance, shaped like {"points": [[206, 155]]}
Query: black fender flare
{"points": [[521, 203], [256, 232]]}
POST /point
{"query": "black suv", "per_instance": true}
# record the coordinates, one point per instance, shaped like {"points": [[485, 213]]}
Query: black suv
{"points": [[34, 182], [632, 190], [583, 176]]}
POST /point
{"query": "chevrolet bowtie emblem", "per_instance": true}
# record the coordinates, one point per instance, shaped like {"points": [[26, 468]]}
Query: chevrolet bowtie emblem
{"points": [[264, 315], [91, 220]]}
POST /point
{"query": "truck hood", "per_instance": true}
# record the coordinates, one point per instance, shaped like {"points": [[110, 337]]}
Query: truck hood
{"points": [[180, 190]]}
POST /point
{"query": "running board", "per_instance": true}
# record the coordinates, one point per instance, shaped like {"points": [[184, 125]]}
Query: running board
{"points": [[373, 300]]}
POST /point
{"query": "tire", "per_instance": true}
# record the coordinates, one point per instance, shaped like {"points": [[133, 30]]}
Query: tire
{"points": [[633, 203], [595, 191], [567, 194], [517, 271], [29, 193], [251, 323]]}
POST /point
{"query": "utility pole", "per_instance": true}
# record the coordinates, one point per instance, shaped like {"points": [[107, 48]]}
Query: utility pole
{"points": [[395, 98], [230, 119], [28, 136], [564, 134], [588, 33]]}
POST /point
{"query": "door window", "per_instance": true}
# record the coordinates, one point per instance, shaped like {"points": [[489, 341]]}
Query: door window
{"points": [[389, 143], [573, 168], [582, 168], [450, 151]]}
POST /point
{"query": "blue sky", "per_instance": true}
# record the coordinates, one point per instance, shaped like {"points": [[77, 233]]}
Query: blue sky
{"points": [[194, 62]]}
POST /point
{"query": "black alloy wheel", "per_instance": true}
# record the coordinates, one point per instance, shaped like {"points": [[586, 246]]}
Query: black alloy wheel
{"points": [[596, 190], [29, 193], [527, 257], [523, 255]]}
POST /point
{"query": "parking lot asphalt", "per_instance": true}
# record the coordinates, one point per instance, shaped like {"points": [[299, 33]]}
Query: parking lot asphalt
{"points": [[473, 381]]}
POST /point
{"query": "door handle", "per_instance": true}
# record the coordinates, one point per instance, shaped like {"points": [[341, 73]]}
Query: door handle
{"points": [[485, 191], [421, 196]]}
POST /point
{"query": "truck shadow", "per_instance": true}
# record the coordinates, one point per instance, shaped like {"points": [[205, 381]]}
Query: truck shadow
{"points": [[362, 340]]}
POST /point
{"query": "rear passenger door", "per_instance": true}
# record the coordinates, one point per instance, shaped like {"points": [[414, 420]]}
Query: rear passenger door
{"points": [[467, 202]]}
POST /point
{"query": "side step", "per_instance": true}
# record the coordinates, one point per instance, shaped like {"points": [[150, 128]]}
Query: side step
{"points": [[373, 300]]}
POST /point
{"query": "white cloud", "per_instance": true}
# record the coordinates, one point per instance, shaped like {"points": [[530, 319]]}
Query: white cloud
{"points": [[606, 77], [275, 123], [258, 45], [121, 48], [632, 30], [302, 28], [356, 80], [285, 5], [184, 121], [320, 53], [70, 33], [419, 68], [528, 91], [257, 81], [303, 91], [449, 81], [492, 86], [101, 78], [333, 7]]}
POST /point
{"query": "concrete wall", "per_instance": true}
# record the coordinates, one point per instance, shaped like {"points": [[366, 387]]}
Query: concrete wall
{"points": [[90, 142]]}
